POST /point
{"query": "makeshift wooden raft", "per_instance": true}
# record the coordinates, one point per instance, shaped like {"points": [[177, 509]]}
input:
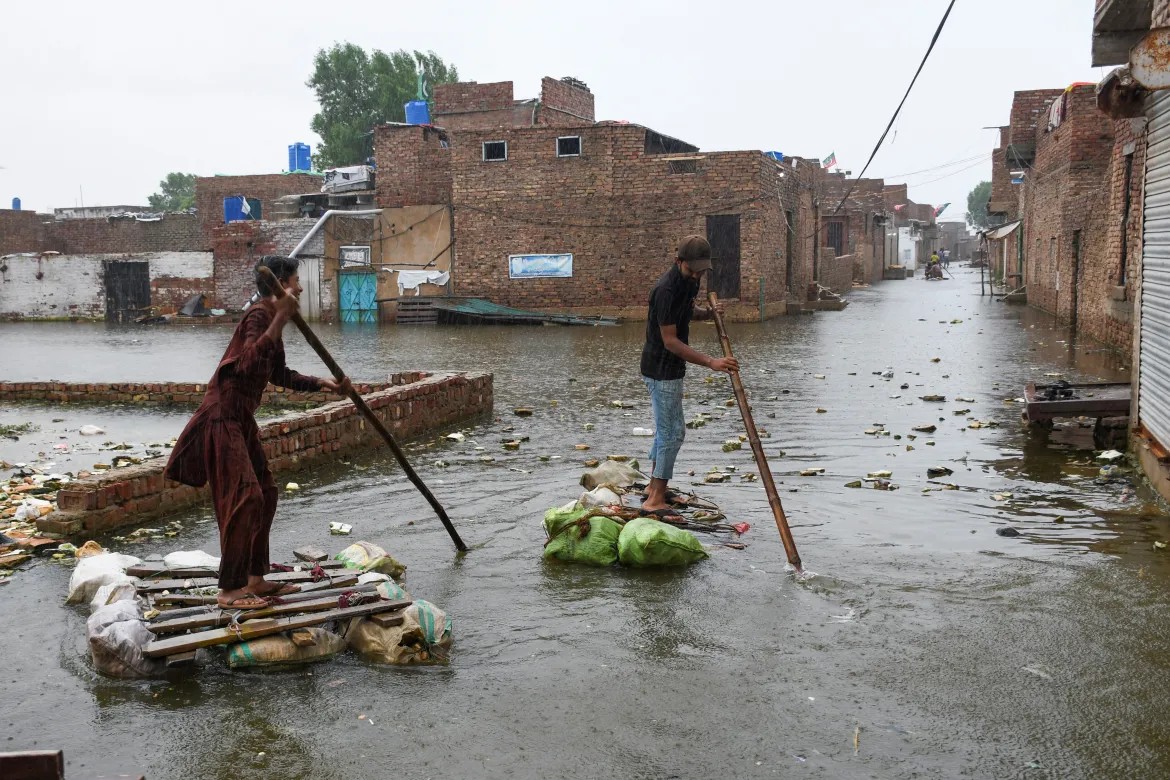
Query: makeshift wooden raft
{"points": [[329, 593]]}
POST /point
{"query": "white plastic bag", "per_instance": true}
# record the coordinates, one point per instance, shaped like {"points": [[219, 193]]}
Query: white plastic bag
{"points": [[121, 589], [117, 637], [367, 556], [611, 472], [31, 509], [599, 496], [191, 559], [97, 570]]}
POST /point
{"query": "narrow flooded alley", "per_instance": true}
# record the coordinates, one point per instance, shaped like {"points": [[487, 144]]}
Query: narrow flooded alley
{"points": [[925, 645]]}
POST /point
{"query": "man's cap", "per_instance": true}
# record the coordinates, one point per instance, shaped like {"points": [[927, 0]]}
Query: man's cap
{"points": [[696, 252]]}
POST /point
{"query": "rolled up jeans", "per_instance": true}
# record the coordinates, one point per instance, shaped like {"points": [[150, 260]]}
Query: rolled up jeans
{"points": [[669, 426]]}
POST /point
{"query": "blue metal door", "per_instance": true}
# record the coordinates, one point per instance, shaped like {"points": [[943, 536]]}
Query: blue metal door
{"points": [[357, 292]]}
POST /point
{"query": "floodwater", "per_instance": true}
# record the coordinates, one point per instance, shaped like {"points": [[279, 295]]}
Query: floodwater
{"points": [[926, 645]]}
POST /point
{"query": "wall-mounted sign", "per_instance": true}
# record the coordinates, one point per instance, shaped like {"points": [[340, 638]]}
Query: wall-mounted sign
{"points": [[354, 255], [540, 266]]}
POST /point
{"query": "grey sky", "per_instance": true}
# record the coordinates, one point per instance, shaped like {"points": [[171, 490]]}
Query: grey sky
{"points": [[106, 101]]}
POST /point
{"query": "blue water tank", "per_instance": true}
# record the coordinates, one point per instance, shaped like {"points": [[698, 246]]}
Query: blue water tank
{"points": [[233, 209], [16, 204], [417, 113], [299, 158]]}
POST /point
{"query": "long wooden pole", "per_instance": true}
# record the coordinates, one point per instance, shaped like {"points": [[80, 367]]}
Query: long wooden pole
{"points": [[754, 440], [367, 412]]}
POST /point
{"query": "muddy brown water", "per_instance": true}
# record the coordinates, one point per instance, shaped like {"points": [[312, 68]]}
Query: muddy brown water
{"points": [[947, 650]]}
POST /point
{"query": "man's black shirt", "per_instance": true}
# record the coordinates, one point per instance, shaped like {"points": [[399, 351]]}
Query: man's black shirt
{"points": [[672, 301]]}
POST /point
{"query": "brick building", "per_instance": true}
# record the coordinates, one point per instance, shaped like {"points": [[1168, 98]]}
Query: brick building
{"points": [[859, 228], [210, 192], [469, 105], [1076, 201]]}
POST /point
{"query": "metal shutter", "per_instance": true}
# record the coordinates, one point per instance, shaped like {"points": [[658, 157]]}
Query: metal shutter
{"points": [[1154, 368]]}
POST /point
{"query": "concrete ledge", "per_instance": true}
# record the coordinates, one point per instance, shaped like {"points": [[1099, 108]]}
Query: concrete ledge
{"points": [[1155, 465], [134, 494], [170, 393]]}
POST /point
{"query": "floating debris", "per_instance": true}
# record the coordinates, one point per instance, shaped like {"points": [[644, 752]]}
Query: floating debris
{"points": [[882, 474], [732, 444], [933, 398], [812, 472], [854, 484], [961, 412], [925, 428], [456, 436], [292, 486], [938, 471]]}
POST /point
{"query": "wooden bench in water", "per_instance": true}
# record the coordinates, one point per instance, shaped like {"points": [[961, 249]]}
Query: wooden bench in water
{"points": [[1092, 399]]}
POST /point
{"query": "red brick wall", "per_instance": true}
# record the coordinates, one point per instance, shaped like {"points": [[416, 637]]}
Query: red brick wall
{"points": [[21, 231], [1064, 190], [1004, 197], [1106, 291], [414, 166], [235, 249], [564, 105], [24, 231], [469, 105], [175, 233], [168, 393], [211, 190], [130, 495], [1030, 109], [619, 211]]}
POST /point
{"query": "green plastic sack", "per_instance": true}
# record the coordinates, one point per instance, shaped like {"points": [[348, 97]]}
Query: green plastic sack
{"points": [[578, 535], [648, 542]]}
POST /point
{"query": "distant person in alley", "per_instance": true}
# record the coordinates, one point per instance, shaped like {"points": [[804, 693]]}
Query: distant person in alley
{"points": [[221, 444], [665, 357]]}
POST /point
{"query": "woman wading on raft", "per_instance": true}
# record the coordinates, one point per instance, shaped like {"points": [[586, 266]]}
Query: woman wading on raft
{"points": [[221, 444]]}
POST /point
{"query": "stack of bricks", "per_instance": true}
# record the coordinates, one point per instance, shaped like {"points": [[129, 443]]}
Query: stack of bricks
{"points": [[132, 495], [171, 393]]}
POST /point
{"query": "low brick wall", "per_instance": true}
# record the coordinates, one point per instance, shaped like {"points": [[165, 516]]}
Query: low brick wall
{"points": [[135, 494], [172, 393], [836, 273]]}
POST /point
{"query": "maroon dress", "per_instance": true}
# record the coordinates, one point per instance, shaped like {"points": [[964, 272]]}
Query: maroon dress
{"points": [[221, 445]]}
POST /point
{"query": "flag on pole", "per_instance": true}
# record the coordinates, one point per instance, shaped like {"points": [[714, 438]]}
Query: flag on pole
{"points": [[941, 209], [829, 161]]}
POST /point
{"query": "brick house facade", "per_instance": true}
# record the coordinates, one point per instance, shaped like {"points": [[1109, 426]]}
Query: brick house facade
{"points": [[210, 192], [1080, 203]]}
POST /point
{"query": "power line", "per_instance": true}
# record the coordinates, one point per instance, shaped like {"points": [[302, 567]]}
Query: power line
{"points": [[949, 175], [898, 110], [950, 164]]}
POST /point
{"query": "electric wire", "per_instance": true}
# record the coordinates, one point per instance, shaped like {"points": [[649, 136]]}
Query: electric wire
{"points": [[898, 110]]}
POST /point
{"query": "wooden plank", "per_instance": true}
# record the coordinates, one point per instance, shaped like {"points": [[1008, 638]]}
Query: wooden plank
{"points": [[215, 616], [12, 560], [302, 637], [197, 605], [180, 660], [194, 604], [387, 619], [254, 629], [156, 569], [154, 586], [32, 765], [311, 554]]}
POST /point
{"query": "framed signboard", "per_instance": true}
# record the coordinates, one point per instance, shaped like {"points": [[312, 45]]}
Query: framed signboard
{"points": [[540, 266], [353, 255]]}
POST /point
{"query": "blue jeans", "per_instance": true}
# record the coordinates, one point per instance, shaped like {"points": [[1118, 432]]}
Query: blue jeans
{"points": [[669, 426]]}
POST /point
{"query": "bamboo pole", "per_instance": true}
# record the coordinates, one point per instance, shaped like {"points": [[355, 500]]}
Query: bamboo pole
{"points": [[367, 412], [757, 448]]}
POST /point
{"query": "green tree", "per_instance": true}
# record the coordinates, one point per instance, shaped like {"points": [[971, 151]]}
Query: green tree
{"points": [[357, 90], [977, 199], [175, 193]]}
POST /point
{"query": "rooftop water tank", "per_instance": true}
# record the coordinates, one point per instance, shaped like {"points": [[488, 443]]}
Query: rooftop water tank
{"points": [[16, 204], [298, 157], [417, 113]]}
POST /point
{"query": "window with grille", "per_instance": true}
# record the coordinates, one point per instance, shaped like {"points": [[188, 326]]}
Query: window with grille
{"points": [[495, 150], [569, 146], [683, 166]]}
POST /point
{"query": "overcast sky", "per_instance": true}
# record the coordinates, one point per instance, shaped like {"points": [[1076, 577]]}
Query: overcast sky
{"points": [[102, 102]]}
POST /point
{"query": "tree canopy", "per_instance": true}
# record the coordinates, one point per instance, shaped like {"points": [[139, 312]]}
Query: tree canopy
{"points": [[357, 90], [175, 193], [977, 205]]}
